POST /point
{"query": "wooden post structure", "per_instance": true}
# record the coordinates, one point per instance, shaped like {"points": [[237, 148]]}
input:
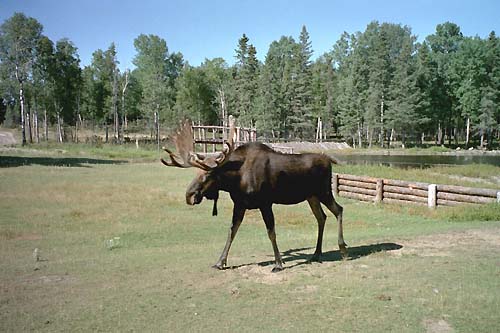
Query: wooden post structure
{"points": [[379, 190], [204, 138], [213, 137], [432, 196]]}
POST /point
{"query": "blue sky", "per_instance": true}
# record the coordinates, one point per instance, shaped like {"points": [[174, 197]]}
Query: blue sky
{"points": [[208, 29]]}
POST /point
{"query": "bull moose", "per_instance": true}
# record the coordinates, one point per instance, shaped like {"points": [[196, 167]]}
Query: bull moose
{"points": [[257, 177]]}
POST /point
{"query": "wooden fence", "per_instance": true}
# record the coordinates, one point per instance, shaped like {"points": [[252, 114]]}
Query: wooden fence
{"points": [[216, 135], [404, 192]]}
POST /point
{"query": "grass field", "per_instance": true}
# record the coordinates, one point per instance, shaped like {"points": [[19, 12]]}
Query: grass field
{"points": [[121, 251]]}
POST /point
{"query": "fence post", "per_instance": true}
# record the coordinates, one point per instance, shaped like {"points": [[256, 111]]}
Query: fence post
{"points": [[432, 196], [498, 197], [204, 138], [335, 185], [380, 191]]}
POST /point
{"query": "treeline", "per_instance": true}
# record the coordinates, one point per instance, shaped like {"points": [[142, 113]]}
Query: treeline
{"points": [[374, 87]]}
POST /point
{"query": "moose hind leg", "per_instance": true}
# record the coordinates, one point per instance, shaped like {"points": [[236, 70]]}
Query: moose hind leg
{"points": [[320, 215], [268, 216], [337, 210], [238, 214]]}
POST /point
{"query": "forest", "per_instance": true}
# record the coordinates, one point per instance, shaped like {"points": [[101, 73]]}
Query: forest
{"points": [[378, 87]]}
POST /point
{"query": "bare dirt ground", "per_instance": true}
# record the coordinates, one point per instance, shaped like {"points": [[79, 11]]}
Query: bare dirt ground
{"points": [[442, 245], [6, 138], [436, 245]]}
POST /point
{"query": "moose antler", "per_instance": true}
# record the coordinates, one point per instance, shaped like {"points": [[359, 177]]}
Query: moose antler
{"points": [[229, 143], [183, 140]]}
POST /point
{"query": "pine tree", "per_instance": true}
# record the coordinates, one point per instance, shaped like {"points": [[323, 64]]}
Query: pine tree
{"points": [[378, 79], [247, 67], [302, 100], [444, 43], [403, 113]]}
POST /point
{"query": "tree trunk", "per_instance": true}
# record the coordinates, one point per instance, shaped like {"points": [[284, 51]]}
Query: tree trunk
{"points": [[369, 133], [35, 127], [21, 101], [222, 98], [439, 134], [107, 131], [114, 105], [319, 134], [59, 128], [359, 136], [76, 130], [45, 125], [35, 121], [124, 113], [157, 128], [28, 123], [77, 117], [382, 133], [467, 133], [391, 137]]}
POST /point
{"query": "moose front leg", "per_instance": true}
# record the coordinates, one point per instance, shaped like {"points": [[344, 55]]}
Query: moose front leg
{"points": [[238, 214], [268, 216]]}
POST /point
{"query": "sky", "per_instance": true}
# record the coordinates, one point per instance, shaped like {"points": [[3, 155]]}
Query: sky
{"points": [[209, 29]]}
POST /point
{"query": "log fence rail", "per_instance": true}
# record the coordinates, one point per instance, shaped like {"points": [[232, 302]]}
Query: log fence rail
{"points": [[403, 192]]}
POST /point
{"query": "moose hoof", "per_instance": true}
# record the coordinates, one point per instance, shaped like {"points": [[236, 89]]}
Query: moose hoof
{"points": [[277, 269], [343, 251], [315, 258], [218, 266]]}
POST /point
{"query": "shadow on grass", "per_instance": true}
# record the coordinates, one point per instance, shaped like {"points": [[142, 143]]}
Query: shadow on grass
{"points": [[298, 257], [16, 161]]}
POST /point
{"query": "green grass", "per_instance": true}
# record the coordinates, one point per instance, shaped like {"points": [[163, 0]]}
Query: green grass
{"points": [[158, 277]]}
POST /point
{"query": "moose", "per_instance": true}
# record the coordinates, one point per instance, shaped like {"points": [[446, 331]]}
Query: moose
{"points": [[257, 177]]}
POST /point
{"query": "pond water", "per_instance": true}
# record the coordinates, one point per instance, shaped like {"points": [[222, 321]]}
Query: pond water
{"points": [[420, 161]]}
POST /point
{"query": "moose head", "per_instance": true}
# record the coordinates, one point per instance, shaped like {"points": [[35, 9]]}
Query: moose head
{"points": [[205, 184]]}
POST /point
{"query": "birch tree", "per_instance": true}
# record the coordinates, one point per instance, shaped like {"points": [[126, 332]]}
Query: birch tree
{"points": [[19, 36]]}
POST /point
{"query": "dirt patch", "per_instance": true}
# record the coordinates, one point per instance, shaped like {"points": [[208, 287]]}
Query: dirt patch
{"points": [[12, 235], [49, 279], [437, 326], [262, 274], [443, 244], [306, 289], [436, 245]]}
